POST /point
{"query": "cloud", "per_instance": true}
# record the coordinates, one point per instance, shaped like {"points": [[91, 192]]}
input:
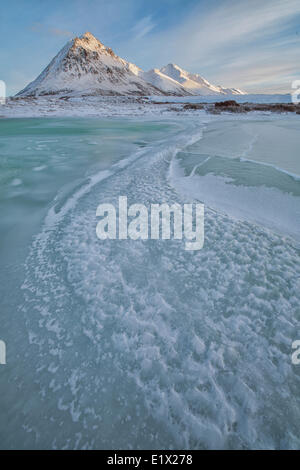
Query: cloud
{"points": [[233, 24], [273, 76], [143, 27], [272, 66], [233, 34], [41, 28], [59, 32]]}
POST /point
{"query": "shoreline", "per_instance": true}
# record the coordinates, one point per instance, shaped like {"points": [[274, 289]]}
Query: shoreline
{"points": [[131, 106]]}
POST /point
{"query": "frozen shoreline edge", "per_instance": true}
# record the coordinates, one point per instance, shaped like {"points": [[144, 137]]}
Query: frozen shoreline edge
{"points": [[129, 106]]}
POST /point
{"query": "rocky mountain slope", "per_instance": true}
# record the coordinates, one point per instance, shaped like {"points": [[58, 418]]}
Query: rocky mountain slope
{"points": [[85, 66]]}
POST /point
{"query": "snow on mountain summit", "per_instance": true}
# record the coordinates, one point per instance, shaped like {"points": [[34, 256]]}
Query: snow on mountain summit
{"points": [[196, 84], [85, 66], [163, 82]]}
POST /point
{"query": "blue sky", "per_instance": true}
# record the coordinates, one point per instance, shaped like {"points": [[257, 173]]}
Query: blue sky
{"points": [[250, 44]]}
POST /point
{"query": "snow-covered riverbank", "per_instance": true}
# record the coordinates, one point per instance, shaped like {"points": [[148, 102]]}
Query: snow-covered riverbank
{"points": [[109, 106]]}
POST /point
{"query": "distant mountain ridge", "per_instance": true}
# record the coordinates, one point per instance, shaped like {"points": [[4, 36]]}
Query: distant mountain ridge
{"points": [[85, 66], [196, 84]]}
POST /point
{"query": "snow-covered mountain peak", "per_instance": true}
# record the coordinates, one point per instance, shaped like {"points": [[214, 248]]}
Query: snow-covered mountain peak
{"points": [[164, 82], [174, 71], [195, 83], [86, 66], [89, 42]]}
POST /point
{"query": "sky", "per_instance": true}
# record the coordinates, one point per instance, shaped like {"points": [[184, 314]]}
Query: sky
{"points": [[249, 44]]}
